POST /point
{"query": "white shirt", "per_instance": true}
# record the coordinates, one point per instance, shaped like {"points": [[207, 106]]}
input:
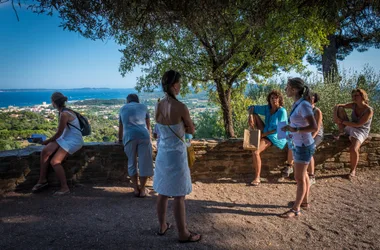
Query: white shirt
{"points": [[302, 109]]}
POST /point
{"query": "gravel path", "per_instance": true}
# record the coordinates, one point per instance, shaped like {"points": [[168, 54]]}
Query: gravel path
{"points": [[229, 214]]}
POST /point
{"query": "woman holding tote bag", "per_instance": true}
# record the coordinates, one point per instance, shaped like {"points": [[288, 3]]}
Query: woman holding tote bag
{"points": [[273, 113]]}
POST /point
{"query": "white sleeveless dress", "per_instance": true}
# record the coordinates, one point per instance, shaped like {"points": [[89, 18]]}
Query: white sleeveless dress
{"points": [[71, 139], [172, 173]]}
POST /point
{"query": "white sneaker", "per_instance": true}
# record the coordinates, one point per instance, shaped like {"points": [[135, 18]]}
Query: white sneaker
{"points": [[287, 171]]}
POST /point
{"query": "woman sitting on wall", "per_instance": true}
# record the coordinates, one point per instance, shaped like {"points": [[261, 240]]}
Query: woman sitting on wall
{"points": [[274, 113], [359, 127], [67, 140]]}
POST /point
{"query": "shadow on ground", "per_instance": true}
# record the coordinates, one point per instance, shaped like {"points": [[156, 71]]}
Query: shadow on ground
{"points": [[230, 215]]}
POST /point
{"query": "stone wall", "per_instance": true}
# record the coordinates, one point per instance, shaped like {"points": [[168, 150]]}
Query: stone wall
{"points": [[102, 162], [220, 159]]}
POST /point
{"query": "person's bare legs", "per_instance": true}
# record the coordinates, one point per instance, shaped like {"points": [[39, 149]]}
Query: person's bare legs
{"points": [[310, 168], [303, 185], [143, 181], [257, 122], [354, 155], [305, 200], [56, 163], [340, 113], [256, 160], [162, 205], [290, 157], [180, 218], [135, 184], [46, 152]]}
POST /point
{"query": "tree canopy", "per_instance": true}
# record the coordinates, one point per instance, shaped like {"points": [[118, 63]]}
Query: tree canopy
{"points": [[218, 46], [357, 26]]}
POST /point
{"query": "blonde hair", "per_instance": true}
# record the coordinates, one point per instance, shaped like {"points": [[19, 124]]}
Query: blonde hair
{"points": [[59, 99], [362, 93]]}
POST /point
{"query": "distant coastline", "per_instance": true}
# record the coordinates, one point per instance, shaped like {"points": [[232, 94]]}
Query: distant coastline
{"points": [[32, 97], [31, 90]]}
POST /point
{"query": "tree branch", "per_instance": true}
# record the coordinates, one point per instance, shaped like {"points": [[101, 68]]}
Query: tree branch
{"points": [[13, 6]]}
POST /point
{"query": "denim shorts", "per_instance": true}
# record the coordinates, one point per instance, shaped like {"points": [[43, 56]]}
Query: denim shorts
{"points": [[303, 154]]}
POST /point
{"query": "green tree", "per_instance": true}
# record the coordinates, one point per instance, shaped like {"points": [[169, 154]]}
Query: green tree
{"points": [[217, 45], [357, 26], [334, 92], [209, 125]]}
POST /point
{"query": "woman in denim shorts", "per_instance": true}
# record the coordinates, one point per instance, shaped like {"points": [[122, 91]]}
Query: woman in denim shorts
{"points": [[301, 125]]}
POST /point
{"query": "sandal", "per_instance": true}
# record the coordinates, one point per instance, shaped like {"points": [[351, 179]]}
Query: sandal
{"points": [[290, 214], [39, 187], [191, 238], [304, 205], [60, 193], [255, 183], [168, 226]]}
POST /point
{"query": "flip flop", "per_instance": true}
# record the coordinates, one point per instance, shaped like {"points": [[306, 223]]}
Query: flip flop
{"points": [[39, 187], [255, 183], [168, 226], [59, 193], [290, 214], [190, 238]]}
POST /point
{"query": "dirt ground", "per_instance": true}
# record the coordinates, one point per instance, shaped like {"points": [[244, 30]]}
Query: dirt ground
{"points": [[228, 213]]}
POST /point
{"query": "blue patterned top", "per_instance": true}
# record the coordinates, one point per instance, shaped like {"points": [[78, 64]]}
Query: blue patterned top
{"points": [[271, 121]]}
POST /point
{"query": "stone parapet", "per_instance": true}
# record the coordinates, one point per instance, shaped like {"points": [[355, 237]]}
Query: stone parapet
{"points": [[102, 162]]}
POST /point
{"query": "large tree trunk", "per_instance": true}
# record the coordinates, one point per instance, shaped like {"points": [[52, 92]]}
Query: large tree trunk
{"points": [[225, 102], [329, 64]]}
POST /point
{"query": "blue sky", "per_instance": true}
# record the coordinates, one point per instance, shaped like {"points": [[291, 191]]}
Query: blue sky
{"points": [[36, 53]]}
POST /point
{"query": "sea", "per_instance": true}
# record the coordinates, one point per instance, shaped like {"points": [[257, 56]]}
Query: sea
{"points": [[31, 97]]}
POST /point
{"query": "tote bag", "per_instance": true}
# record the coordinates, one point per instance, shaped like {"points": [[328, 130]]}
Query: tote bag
{"points": [[251, 139]]}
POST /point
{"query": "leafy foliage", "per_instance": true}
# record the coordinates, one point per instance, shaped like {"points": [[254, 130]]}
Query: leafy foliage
{"points": [[216, 45], [210, 125], [357, 26]]}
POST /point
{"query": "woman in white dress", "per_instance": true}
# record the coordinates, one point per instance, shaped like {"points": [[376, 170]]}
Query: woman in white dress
{"points": [[172, 174], [67, 140]]}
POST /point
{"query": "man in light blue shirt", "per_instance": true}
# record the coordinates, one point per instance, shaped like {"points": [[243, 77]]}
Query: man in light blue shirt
{"points": [[134, 132]]}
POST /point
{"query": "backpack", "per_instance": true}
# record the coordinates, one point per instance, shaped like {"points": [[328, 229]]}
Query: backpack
{"points": [[85, 127]]}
